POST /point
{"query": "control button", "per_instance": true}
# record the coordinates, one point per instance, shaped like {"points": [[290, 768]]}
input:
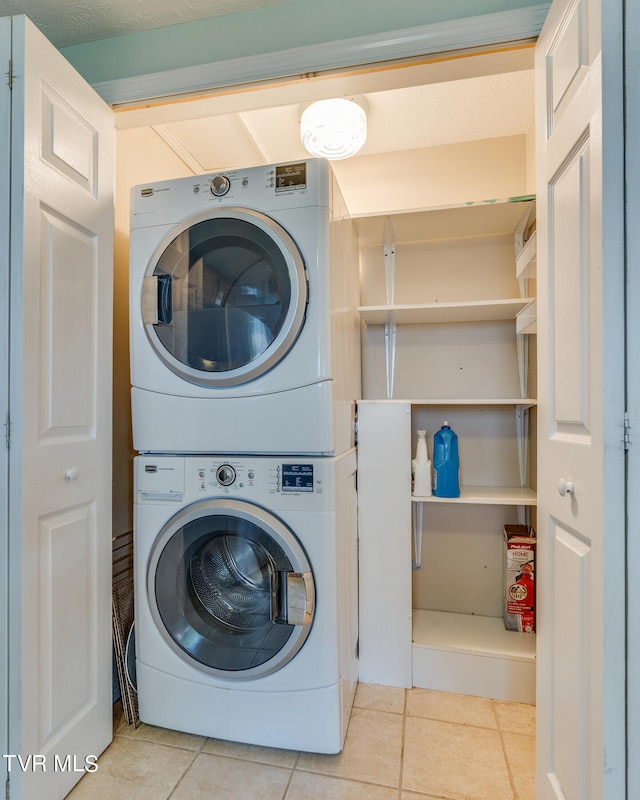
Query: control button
{"points": [[220, 185], [226, 475], [251, 475], [201, 473]]}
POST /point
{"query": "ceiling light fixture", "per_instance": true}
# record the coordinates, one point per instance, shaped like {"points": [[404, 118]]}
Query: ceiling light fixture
{"points": [[334, 129]]}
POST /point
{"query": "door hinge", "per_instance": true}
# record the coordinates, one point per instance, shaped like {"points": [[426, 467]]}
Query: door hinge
{"points": [[10, 75], [627, 431], [7, 432]]}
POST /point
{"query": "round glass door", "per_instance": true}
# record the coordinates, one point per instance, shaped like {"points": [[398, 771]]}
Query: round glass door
{"points": [[231, 589], [224, 297]]}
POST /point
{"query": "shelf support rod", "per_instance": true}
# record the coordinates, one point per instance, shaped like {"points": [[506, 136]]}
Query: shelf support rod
{"points": [[522, 437], [522, 411], [524, 516], [522, 282], [390, 351], [418, 512], [389, 259], [522, 344], [390, 322]]}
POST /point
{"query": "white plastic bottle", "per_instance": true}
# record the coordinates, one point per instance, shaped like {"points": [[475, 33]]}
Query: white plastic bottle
{"points": [[421, 468]]}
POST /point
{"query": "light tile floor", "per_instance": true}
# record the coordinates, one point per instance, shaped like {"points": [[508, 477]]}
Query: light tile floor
{"points": [[401, 745]]}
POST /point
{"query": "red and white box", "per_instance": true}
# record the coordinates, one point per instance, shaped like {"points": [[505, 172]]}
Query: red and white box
{"points": [[519, 578]]}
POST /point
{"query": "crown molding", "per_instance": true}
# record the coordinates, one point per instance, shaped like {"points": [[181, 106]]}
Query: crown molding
{"points": [[504, 27]]}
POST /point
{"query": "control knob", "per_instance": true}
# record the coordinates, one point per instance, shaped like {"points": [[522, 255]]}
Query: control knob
{"points": [[220, 185], [225, 475]]}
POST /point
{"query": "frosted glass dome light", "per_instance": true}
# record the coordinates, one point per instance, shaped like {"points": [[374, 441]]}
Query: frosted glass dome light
{"points": [[333, 129]]}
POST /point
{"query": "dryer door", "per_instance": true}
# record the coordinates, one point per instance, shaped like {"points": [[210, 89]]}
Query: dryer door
{"points": [[231, 589], [224, 297]]}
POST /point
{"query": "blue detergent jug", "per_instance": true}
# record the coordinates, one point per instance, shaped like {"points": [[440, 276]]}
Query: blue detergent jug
{"points": [[446, 463]]}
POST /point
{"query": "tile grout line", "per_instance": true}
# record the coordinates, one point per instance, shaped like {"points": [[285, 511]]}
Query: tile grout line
{"points": [[504, 751], [187, 769], [344, 778], [286, 788], [161, 744], [251, 760], [291, 774], [181, 778], [402, 742]]}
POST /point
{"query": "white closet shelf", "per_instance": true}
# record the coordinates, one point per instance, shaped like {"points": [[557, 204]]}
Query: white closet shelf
{"points": [[429, 313], [486, 495], [476, 655], [473, 634], [452, 222], [457, 401]]}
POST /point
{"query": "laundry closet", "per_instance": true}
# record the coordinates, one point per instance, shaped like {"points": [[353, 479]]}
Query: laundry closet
{"points": [[448, 312], [448, 332]]}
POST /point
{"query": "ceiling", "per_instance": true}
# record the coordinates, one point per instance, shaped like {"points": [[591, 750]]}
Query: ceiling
{"points": [[408, 118], [411, 107], [67, 22]]}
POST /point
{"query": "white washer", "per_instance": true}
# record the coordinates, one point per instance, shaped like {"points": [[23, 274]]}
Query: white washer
{"points": [[244, 326], [246, 597]]}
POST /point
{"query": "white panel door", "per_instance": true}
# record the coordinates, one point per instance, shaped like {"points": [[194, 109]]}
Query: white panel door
{"points": [[60, 405], [5, 138], [632, 164], [579, 372]]}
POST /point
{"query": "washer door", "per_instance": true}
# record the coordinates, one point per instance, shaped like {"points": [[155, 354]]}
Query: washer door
{"points": [[231, 589], [224, 297]]}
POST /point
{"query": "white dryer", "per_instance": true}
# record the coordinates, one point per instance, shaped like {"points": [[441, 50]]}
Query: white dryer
{"points": [[243, 299], [246, 597]]}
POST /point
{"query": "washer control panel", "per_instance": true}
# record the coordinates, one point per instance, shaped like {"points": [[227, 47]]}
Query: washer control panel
{"points": [[289, 476], [291, 482]]}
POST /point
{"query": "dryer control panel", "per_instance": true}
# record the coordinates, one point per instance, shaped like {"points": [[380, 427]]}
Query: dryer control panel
{"points": [[269, 188]]}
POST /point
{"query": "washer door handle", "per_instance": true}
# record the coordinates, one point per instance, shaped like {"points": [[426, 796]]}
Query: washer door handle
{"points": [[292, 598]]}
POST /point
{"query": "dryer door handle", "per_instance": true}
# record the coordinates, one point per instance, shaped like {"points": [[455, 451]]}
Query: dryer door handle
{"points": [[156, 300], [292, 598]]}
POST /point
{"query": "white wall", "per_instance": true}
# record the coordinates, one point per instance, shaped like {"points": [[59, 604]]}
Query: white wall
{"points": [[141, 157], [436, 176]]}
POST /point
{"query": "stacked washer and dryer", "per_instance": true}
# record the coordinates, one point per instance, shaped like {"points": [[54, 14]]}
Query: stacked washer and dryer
{"points": [[245, 375]]}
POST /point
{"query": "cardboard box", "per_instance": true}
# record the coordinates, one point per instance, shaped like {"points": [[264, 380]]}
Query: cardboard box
{"points": [[519, 578]]}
